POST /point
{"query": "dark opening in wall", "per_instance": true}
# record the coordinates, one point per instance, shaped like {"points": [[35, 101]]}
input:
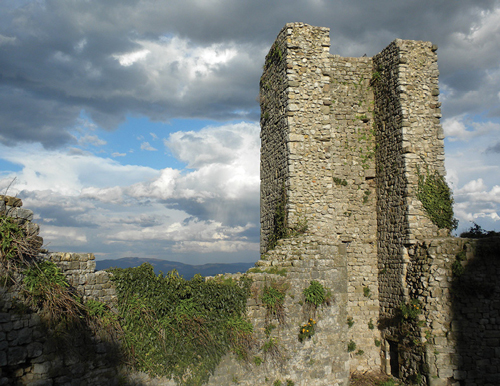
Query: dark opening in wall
{"points": [[394, 361]]}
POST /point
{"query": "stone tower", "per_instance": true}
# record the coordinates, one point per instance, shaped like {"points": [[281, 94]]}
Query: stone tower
{"points": [[344, 141]]}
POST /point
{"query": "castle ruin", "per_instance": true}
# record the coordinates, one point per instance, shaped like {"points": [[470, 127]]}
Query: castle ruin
{"points": [[348, 146]]}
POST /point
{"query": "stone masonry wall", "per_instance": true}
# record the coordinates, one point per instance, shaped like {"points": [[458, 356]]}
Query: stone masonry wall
{"points": [[321, 360], [29, 354], [359, 133], [458, 332], [273, 169], [410, 139], [343, 143], [410, 142], [330, 158]]}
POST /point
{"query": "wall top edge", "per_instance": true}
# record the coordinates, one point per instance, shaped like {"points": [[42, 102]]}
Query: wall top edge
{"points": [[301, 25]]}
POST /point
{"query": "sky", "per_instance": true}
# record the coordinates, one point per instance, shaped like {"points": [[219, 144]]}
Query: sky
{"points": [[131, 127]]}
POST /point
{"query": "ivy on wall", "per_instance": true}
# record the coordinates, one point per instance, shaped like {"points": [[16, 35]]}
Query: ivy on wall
{"points": [[181, 328], [436, 198]]}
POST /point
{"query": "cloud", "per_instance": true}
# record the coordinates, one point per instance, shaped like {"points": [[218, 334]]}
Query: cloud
{"points": [[212, 207], [159, 61], [216, 246], [67, 174], [7, 40], [130, 58], [92, 140], [494, 148], [70, 70], [225, 179], [458, 128], [147, 146]]}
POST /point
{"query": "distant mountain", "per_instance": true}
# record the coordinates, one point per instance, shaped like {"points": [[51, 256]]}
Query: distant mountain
{"points": [[185, 270]]}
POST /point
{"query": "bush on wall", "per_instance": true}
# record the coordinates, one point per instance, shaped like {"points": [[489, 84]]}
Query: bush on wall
{"points": [[181, 328]]}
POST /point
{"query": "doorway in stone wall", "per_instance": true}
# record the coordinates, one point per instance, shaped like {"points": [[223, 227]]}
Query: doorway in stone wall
{"points": [[394, 358]]}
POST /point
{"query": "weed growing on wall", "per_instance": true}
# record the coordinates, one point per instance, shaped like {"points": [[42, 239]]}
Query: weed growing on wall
{"points": [[272, 351], [46, 289], [315, 294], [281, 228], [40, 284], [181, 328], [411, 310], [307, 330], [273, 297], [275, 56], [435, 196], [16, 250], [272, 270]]}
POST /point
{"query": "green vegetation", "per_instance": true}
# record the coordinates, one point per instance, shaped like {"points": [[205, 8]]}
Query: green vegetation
{"points": [[307, 330], [272, 351], [273, 297], [273, 271], [367, 292], [411, 310], [351, 346], [274, 56], [10, 242], [366, 196], [42, 286], [280, 227], [339, 181], [315, 294], [269, 329], [476, 232], [181, 328], [457, 268], [350, 321], [435, 196], [371, 326]]}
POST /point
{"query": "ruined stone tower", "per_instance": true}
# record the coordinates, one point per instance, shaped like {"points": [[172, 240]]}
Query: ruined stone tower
{"points": [[344, 142]]}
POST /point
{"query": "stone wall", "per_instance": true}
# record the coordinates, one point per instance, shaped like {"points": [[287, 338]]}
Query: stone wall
{"points": [[274, 169], [326, 122], [458, 331], [320, 360], [410, 141], [32, 354]]}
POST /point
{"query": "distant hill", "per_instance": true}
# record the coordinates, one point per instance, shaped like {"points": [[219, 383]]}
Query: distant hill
{"points": [[185, 270]]}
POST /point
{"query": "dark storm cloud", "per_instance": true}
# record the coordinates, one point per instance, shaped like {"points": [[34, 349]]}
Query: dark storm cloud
{"points": [[58, 57], [494, 149]]}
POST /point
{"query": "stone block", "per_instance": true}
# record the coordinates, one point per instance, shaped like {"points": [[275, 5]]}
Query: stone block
{"points": [[16, 355]]}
